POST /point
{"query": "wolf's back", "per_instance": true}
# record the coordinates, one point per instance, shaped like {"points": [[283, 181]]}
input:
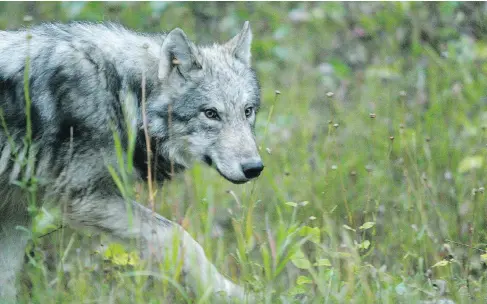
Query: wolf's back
{"points": [[73, 89]]}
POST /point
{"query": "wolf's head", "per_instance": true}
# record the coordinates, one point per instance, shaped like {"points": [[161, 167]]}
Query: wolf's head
{"points": [[207, 105]]}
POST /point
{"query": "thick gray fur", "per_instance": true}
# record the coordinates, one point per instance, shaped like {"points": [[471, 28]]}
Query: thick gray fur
{"points": [[85, 84]]}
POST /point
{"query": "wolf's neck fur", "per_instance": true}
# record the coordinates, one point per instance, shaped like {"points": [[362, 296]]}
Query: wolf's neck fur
{"points": [[131, 53], [162, 168]]}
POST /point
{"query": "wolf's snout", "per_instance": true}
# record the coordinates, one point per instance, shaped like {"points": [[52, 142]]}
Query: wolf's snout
{"points": [[252, 169]]}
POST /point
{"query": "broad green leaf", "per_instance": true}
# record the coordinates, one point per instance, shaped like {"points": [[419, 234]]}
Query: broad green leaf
{"points": [[300, 260], [117, 254], [441, 263], [367, 225], [364, 245], [313, 233], [292, 204], [483, 257], [44, 222], [301, 263], [296, 290], [349, 228], [303, 280], [322, 262]]}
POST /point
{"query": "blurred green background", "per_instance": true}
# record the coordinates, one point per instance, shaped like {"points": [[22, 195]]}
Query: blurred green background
{"points": [[375, 154]]}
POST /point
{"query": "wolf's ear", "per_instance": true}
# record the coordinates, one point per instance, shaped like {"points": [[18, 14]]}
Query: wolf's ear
{"points": [[177, 52], [239, 45]]}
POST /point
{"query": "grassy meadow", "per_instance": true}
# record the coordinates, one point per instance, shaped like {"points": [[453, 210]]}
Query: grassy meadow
{"points": [[373, 131]]}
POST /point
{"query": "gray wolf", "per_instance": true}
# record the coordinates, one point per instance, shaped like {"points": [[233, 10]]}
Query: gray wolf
{"points": [[86, 84]]}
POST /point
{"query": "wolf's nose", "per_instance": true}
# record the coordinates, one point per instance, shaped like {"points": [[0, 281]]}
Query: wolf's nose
{"points": [[252, 169]]}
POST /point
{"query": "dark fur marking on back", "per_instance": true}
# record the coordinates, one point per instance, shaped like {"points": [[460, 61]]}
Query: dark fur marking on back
{"points": [[12, 103]]}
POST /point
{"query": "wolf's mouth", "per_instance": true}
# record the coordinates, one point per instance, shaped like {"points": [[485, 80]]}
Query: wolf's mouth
{"points": [[235, 181], [207, 159]]}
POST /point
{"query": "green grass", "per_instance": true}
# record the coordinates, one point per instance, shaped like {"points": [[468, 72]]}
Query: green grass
{"points": [[375, 156]]}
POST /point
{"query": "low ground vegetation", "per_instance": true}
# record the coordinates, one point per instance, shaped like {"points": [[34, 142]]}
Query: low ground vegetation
{"points": [[373, 133]]}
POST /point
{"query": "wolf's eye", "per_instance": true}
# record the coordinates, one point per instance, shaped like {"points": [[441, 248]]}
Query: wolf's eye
{"points": [[211, 114], [249, 111]]}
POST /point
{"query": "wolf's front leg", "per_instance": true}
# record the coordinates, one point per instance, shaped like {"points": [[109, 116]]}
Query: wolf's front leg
{"points": [[130, 221], [13, 239]]}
